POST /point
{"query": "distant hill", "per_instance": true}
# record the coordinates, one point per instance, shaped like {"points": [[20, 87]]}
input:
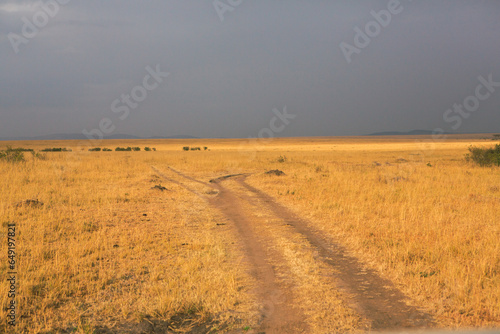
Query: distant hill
{"points": [[408, 133], [174, 137], [79, 136]]}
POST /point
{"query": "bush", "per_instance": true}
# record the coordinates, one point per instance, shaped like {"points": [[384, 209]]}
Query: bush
{"points": [[56, 149], [136, 148], [20, 149], [12, 155], [147, 149], [205, 148], [154, 149], [195, 149], [484, 157], [107, 150], [123, 149], [95, 149], [186, 148]]}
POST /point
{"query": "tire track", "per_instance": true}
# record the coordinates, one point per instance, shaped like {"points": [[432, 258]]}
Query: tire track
{"points": [[278, 314], [375, 298]]}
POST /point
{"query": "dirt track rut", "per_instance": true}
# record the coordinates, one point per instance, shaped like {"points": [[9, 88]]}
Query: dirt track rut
{"points": [[379, 303]]}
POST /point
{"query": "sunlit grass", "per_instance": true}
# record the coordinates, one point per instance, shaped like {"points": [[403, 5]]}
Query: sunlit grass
{"points": [[106, 249]]}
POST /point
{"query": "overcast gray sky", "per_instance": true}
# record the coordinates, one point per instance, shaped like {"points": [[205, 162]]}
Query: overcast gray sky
{"points": [[231, 62]]}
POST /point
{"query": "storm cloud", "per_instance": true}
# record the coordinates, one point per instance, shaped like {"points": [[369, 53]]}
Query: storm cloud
{"points": [[63, 64]]}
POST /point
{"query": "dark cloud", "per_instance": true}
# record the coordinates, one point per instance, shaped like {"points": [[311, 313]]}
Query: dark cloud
{"points": [[226, 77]]}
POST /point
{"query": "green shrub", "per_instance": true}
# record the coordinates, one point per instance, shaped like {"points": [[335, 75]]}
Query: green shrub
{"points": [[107, 150], [195, 149], [186, 148], [147, 149], [136, 148], [123, 149], [20, 149], [56, 149], [484, 157], [12, 155], [95, 149]]}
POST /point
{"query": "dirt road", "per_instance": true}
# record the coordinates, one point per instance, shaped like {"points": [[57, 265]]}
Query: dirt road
{"points": [[263, 225]]}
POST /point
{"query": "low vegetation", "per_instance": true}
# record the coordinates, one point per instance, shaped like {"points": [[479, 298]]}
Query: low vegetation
{"points": [[123, 149], [135, 149], [56, 149], [484, 157], [107, 253], [115, 246], [12, 154], [196, 148], [19, 149]]}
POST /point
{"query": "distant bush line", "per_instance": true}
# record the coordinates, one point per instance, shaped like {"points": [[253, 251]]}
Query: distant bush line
{"points": [[17, 154], [484, 157], [20, 149], [128, 149], [57, 149], [95, 149], [123, 149], [187, 148]]}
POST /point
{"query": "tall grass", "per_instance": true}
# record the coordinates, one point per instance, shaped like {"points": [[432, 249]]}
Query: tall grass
{"points": [[105, 250], [90, 258], [432, 230]]}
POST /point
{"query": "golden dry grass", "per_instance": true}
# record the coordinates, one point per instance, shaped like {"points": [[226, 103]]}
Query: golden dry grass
{"points": [[433, 230], [89, 258]]}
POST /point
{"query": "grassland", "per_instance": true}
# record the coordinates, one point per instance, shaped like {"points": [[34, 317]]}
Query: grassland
{"points": [[105, 251]]}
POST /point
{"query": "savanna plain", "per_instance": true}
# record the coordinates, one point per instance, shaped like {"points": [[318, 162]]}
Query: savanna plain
{"points": [[290, 235]]}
